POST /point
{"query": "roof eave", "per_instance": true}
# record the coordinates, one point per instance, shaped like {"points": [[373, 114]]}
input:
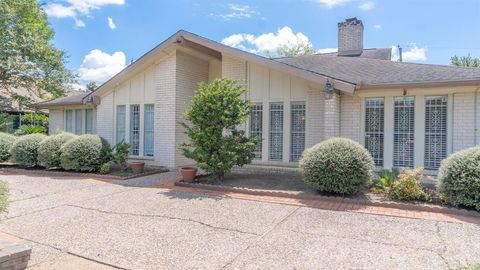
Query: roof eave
{"points": [[420, 84]]}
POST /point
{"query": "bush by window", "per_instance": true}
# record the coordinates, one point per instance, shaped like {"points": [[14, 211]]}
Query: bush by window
{"points": [[337, 165], [85, 153], [459, 178], [49, 149], [6, 142]]}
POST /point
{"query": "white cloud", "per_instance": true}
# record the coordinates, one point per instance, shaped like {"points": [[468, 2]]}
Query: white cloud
{"points": [[413, 54], [268, 42], [99, 66], [327, 50], [368, 5], [111, 24], [377, 26], [236, 11], [332, 3], [75, 8]]}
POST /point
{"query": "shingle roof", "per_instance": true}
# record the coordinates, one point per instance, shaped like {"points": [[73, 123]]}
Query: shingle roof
{"points": [[373, 53], [75, 98], [364, 71]]}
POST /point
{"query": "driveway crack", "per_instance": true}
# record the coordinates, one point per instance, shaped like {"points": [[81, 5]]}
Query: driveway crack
{"points": [[444, 245], [260, 238], [161, 216]]}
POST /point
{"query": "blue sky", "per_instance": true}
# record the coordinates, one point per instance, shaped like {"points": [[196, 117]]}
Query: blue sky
{"points": [[101, 36]]}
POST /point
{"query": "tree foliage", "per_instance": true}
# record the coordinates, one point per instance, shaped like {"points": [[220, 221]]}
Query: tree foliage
{"points": [[290, 50], [91, 86], [216, 143], [465, 61], [27, 57]]}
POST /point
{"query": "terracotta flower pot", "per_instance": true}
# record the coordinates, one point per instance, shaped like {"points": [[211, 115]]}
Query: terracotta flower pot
{"points": [[188, 173], [137, 167]]}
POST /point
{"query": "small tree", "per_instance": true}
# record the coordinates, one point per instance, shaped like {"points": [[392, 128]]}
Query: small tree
{"points": [[292, 50], [465, 61], [216, 144], [91, 86]]}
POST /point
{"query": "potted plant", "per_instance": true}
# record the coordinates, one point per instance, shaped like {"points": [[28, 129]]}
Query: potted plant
{"points": [[188, 173], [137, 167]]}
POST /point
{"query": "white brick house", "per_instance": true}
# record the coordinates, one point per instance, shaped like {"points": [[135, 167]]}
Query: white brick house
{"points": [[405, 114]]}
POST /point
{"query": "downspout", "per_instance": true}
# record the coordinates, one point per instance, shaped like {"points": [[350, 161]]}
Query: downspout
{"points": [[475, 124]]}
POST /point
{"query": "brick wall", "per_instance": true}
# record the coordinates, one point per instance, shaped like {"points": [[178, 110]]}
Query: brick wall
{"points": [[234, 69], [165, 112], [463, 120], [332, 117], [350, 117], [314, 132], [105, 118], [189, 72]]}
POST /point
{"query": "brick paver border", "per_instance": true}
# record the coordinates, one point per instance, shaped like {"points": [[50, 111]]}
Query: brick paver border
{"points": [[405, 210]]}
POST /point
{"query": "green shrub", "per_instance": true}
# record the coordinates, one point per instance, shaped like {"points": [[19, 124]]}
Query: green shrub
{"points": [[30, 129], [35, 119], [4, 194], [386, 180], [24, 150], [459, 178], [85, 153], [49, 149], [409, 186], [6, 142], [337, 165], [105, 168], [120, 155]]}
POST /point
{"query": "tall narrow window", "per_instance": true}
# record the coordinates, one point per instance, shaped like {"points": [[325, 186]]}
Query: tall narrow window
{"points": [[134, 130], [404, 130], [148, 130], [256, 128], [88, 121], [78, 121], [374, 122], [69, 121], [297, 131], [276, 131], [435, 131], [120, 124]]}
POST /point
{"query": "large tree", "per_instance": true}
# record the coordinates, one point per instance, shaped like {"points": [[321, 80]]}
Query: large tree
{"points": [[215, 113], [28, 58], [465, 61]]}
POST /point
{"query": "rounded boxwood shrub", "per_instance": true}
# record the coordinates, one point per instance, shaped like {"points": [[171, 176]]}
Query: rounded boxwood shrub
{"points": [[459, 178], [24, 150], [6, 142], [337, 165], [85, 153], [49, 149]]}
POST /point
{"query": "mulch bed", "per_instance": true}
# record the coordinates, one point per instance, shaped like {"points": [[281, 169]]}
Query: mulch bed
{"points": [[11, 168]]}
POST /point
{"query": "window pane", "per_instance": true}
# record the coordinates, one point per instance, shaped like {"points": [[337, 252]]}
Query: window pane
{"points": [[78, 121], [134, 129], [148, 145], [69, 121], [435, 131], [374, 121], [120, 133], [404, 130], [88, 121], [298, 130], [256, 127], [276, 131]]}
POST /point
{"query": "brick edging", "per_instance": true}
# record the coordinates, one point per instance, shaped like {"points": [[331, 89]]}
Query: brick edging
{"points": [[45, 172], [389, 204]]}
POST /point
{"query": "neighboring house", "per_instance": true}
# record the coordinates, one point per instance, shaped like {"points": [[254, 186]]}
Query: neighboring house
{"points": [[405, 114], [16, 101]]}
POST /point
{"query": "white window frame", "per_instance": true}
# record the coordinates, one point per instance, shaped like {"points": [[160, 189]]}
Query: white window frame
{"points": [[431, 161], [120, 134], [404, 131], [276, 153], [69, 121], [256, 129], [146, 150], [378, 156], [135, 129], [298, 111]]}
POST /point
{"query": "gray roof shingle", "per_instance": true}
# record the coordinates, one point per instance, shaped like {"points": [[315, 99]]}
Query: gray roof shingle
{"points": [[365, 71], [72, 99]]}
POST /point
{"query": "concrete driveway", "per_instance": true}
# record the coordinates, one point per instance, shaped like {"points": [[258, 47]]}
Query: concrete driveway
{"points": [[84, 224]]}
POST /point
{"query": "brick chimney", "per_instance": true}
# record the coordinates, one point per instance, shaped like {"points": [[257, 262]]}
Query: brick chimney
{"points": [[350, 37]]}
